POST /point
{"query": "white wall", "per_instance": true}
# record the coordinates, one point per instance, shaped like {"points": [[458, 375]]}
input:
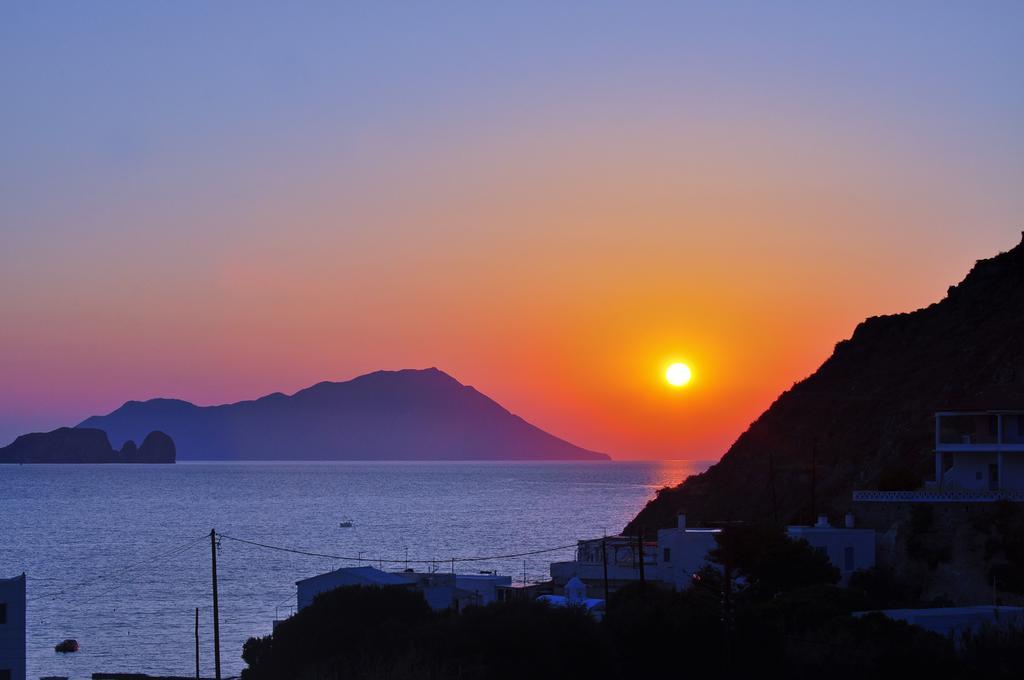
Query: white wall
{"points": [[484, 588], [1013, 471], [438, 589], [849, 550], [969, 471], [12, 630], [687, 554], [308, 589]]}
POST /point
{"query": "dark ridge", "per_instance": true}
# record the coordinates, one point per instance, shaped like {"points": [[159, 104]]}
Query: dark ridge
{"points": [[866, 414]]}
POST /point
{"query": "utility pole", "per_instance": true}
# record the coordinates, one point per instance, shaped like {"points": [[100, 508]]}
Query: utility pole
{"points": [[604, 559], [640, 554], [216, 610], [814, 481], [727, 610], [197, 643]]}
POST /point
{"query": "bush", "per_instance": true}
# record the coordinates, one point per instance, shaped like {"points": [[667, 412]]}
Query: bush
{"points": [[882, 588], [367, 633], [994, 652], [770, 561], [924, 542], [1003, 528]]}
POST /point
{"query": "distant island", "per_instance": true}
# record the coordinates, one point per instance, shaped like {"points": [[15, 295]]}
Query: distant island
{"points": [[386, 415], [86, 445]]}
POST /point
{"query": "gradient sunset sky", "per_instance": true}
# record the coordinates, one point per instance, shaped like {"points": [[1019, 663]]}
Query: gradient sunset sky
{"points": [[549, 201]]}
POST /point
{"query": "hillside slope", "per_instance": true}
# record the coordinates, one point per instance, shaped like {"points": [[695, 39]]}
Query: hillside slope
{"points": [[387, 415], [864, 419]]}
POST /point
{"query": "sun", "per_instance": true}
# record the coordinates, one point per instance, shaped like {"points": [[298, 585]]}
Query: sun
{"points": [[678, 375]]}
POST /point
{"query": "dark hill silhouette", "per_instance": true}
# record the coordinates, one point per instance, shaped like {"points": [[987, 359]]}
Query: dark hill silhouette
{"points": [[865, 418], [387, 415], [85, 445]]}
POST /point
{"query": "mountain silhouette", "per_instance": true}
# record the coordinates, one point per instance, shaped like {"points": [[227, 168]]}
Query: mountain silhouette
{"points": [[386, 415], [864, 419], [85, 445]]}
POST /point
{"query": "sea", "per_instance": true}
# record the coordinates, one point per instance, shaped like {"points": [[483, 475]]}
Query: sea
{"points": [[118, 557]]}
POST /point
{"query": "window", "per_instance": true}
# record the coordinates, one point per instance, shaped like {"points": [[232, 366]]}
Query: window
{"points": [[666, 555], [848, 558], [3, 620], [5, 674]]}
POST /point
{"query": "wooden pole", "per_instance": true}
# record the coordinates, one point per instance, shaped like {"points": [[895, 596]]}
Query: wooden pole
{"points": [[640, 553], [814, 482], [197, 643], [216, 610], [604, 559]]}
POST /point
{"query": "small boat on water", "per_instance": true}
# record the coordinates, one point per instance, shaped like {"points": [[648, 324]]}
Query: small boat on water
{"points": [[345, 523]]}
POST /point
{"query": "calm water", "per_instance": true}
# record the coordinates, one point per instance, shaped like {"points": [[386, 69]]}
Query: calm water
{"points": [[100, 543]]}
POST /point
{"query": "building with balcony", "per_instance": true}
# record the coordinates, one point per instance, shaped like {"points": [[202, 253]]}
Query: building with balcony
{"points": [[682, 551], [979, 450], [622, 554], [440, 589], [979, 457]]}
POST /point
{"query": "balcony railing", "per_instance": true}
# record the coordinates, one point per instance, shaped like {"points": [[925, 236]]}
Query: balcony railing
{"points": [[938, 496]]}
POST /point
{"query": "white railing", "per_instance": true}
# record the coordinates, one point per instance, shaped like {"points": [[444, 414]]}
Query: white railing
{"points": [[938, 496]]}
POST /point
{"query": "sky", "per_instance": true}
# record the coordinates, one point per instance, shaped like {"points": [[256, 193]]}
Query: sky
{"points": [[549, 201]]}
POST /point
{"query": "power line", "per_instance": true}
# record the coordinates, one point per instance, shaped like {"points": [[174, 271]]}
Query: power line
{"points": [[162, 555], [349, 558], [134, 579]]}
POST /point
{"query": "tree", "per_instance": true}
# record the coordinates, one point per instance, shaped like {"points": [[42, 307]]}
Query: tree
{"points": [[769, 561]]}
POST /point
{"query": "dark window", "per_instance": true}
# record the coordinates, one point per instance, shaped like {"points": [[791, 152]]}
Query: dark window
{"points": [[3, 620], [666, 555], [848, 558], [5, 674]]}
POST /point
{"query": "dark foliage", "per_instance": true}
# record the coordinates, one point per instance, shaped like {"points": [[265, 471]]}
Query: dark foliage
{"points": [[870, 647], [883, 588], [798, 632], [769, 561], [369, 633], [994, 652], [899, 478], [1003, 529], [351, 629], [925, 542]]}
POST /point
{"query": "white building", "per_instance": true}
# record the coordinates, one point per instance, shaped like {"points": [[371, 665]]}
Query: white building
{"points": [[441, 590], [848, 549], [979, 457], [619, 554], [682, 551], [576, 596], [12, 628], [979, 450], [955, 621]]}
